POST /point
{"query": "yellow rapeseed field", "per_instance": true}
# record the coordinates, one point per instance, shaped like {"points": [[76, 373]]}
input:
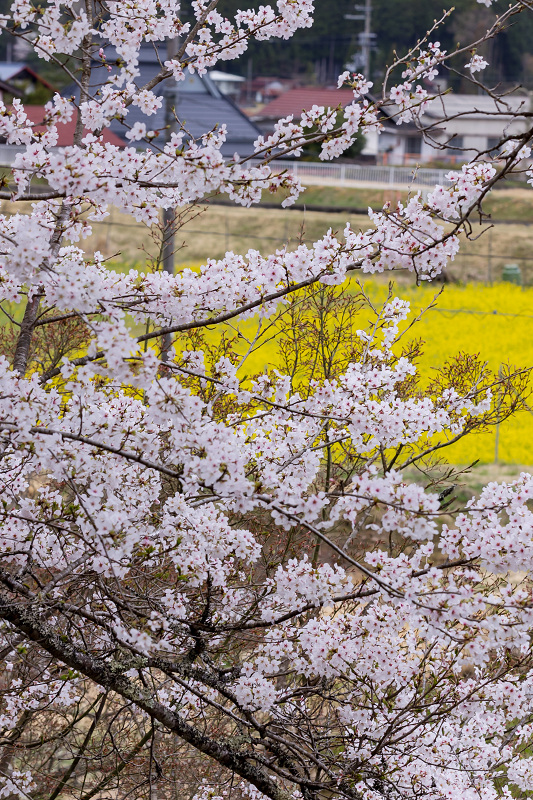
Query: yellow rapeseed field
{"points": [[494, 321]]}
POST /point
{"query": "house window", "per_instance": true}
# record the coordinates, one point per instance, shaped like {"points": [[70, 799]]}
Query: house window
{"points": [[454, 143], [413, 145], [493, 142]]}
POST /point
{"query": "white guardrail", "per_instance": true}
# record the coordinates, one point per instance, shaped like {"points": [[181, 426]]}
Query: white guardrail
{"points": [[339, 173], [8, 153], [366, 173]]}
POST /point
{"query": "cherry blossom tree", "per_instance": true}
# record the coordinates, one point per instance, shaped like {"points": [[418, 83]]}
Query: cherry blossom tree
{"points": [[215, 584]]}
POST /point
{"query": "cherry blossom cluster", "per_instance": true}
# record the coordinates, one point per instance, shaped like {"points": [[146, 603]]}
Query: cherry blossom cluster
{"points": [[476, 64], [228, 282], [54, 33], [410, 97], [466, 187], [359, 117], [239, 558]]}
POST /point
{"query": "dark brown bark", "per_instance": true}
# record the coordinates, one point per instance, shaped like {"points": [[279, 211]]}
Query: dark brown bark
{"points": [[22, 351], [109, 675]]}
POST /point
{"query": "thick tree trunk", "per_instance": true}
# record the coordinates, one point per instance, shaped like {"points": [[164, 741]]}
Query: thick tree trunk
{"points": [[109, 675], [20, 361]]}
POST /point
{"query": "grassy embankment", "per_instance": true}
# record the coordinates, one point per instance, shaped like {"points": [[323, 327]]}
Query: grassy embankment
{"points": [[224, 227]]}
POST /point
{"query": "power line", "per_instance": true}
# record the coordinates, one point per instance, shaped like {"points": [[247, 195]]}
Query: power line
{"points": [[488, 313], [463, 253]]}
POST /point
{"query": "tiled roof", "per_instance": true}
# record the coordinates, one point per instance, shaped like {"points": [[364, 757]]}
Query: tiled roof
{"points": [[10, 70], [294, 101], [199, 106], [66, 130]]}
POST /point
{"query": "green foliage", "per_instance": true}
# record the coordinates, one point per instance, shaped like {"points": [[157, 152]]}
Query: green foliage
{"points": [[321, 52], [312, 151], [37, 95], [330, 40]]}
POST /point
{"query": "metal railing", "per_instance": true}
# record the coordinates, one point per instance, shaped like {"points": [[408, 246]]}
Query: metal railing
{"points": [[366, 173], [8, 153]]}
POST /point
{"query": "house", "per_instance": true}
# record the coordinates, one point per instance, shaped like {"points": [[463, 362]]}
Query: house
{"points": [[294, 101], [227, 83], [200, 106], [262, 89], [65, 130], [454, 127], [29, 85], [465, 124]]}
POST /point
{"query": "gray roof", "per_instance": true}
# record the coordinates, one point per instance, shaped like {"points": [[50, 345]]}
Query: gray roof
{"points": [[200, 106], [472, 106], [10, 68], [8, 88]]}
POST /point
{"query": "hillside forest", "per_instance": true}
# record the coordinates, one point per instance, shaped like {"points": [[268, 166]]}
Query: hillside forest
{"points": [[318, 55]]}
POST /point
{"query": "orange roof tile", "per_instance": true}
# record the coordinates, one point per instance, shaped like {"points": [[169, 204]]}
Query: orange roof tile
{"points": [[294, 101], [65, 130]]}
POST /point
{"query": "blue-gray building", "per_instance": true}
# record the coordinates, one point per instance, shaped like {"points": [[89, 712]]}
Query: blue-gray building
{"points": [[199, 104]]}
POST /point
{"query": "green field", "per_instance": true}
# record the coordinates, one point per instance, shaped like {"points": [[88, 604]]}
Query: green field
{"points": [[504, 204]]}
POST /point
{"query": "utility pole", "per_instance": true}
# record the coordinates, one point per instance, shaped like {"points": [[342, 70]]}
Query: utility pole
{"points": [[365, 39], [169, 214]]}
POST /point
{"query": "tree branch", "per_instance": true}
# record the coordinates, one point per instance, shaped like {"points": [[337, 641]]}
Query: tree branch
{"points": [[109, 675]]}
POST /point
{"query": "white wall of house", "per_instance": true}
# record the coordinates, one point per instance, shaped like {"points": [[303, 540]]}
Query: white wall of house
{"points": [[398, 147], [475, 133], [371, 144], [228, 84], [474, 123]]}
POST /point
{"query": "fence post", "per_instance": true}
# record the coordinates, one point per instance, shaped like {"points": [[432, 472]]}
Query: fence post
{"points": [[343, 173], [497, 437], [226, 230], [489, 264]]}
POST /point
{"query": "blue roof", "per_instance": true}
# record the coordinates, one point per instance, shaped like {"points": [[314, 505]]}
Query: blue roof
{"points": [[10, 68], [200, 106]]}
